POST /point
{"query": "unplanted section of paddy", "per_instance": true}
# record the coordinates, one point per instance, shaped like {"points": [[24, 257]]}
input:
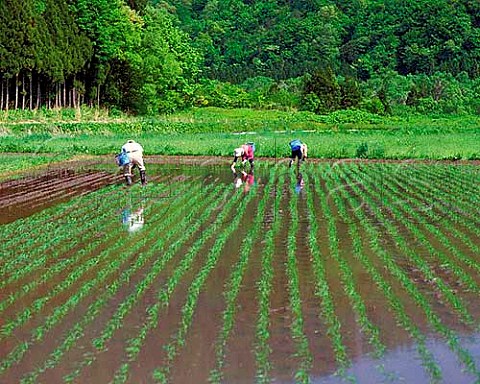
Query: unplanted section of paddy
{"points": [[136, 213]]}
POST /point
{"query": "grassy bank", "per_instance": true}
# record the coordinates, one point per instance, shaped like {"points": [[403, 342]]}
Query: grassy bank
{"points": [[345, 134]]}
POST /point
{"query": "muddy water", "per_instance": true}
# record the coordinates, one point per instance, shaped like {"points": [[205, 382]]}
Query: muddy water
{"points": [[74, 304]]}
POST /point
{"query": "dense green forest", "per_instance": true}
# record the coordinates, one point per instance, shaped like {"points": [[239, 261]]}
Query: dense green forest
{"points": [[151, 56]]}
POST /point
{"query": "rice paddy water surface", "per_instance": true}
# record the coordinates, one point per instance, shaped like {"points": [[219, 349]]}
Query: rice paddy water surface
{"points": [[335, 271]]}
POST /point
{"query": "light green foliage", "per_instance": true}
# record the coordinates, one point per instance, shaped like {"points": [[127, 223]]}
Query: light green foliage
{"points": [[168, 64]]}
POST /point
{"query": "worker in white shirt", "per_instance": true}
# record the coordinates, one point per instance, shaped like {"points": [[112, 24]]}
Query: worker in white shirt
{"points": [[134, 152]]}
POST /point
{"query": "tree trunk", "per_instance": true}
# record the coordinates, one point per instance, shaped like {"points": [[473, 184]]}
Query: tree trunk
{"points": [[1, 95], [23, 91], [16, 91], [39, 94], [7, 101], [31, 90], [57, 95], [65, 99]]}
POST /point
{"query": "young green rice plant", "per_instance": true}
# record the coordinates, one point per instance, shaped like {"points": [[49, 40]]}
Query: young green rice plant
{"points": [[412, 208], [54, 253], [447, 181], [322, 289], [449, 212], [233, 285], [402, 243], [463, 178], [25, 236], [100, 342], [81, 269], [59, 312], [396, 305], [347, 277], [457, 195], [153, 312], [297, 324], [185, 227], [161, 374], [262, 348], [76, 234], [116, 320], [449, 335], [68, 230]]}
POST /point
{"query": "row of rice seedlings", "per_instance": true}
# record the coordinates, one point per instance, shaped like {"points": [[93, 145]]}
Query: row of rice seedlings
{"points": [[49, 252], [402, 244], [460, 181], [297, 324], [467, 199], [49, 221], [33, 240], [322, 290], [80, 270], [59, 312], [449, 335], [134, 345], [262, 333], [115, 322], [412, 209], [347, 278], [14, 269], [161, 374], [74, 234], [44, 238], [448, 214], [453, 196], [232, 287], [333, 181]]}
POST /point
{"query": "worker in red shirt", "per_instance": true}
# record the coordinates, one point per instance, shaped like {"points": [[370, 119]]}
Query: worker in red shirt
{"points": [[246, 153]]}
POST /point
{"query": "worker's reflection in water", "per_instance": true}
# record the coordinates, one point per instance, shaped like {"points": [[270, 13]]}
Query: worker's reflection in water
{"points": [[300, 183], [245, 179], [133, 219]]}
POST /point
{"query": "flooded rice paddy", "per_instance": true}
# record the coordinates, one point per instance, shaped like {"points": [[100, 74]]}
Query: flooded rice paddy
{"points": [[335, 272]]}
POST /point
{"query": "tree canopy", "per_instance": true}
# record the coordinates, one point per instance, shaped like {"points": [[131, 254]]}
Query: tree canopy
{"points": [[151, 56]]}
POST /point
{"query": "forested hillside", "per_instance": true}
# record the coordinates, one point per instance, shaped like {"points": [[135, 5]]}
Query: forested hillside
{"points": [[150, 56]]}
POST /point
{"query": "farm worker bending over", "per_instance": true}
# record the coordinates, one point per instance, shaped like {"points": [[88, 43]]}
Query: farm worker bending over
{"points": [[134, 152], [245, 152], [299, 150]]}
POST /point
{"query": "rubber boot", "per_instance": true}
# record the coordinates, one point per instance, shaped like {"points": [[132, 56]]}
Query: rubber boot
{"points": [[143, 177], [128, 180]]}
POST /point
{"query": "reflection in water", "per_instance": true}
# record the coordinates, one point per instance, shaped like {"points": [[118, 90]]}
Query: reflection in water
{"points": [[132, 216], [300, 183], [402, 364], [245, 179], [133, 221]]}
